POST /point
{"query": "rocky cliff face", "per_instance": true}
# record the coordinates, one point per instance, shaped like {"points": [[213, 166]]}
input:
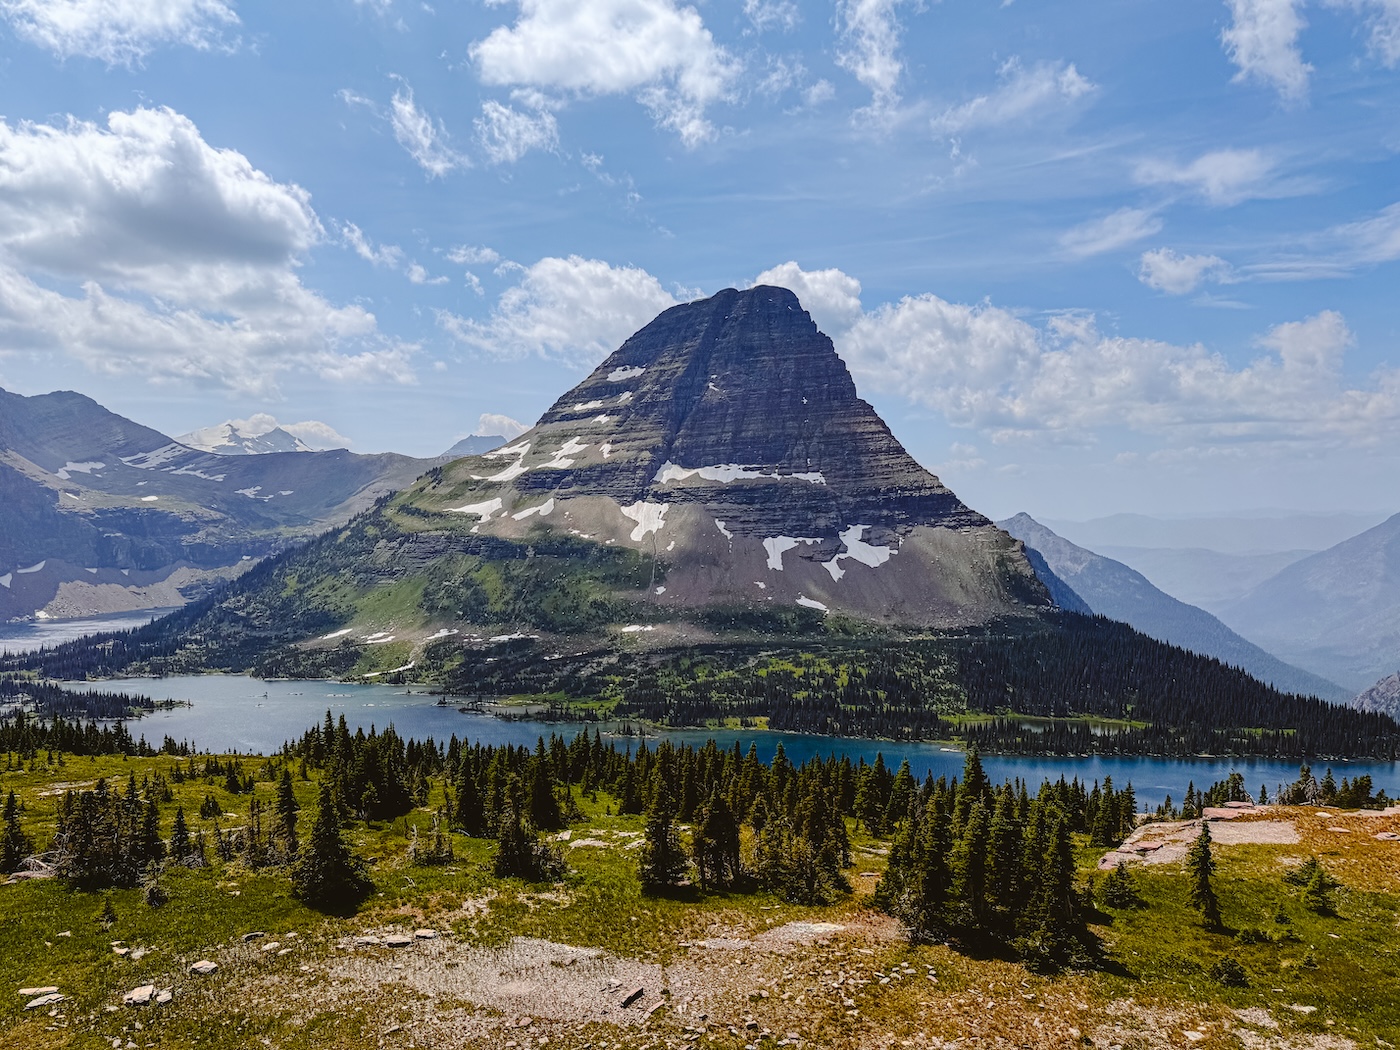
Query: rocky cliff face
{"points": [[1383, 697], [727, 437]]}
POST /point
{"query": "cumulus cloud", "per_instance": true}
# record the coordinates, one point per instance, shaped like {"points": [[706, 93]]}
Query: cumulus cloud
{"points": [[118, 32], [1262, 42], [1176, 274], [184, 259], [576, 310], [1113, 231], [870, 41], [380, 255], [654, 49], [424, 138], [507, 134], [1223, 177], [830, 296], [492, 424], [985, 368], [1023, 93]]}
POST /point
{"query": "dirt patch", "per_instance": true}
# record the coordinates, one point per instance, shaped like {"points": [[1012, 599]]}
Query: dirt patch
{"points": [[1167, 842]]}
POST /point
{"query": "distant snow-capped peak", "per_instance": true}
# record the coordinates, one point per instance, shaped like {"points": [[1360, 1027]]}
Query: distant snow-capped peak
{"points": [[229, 439]]}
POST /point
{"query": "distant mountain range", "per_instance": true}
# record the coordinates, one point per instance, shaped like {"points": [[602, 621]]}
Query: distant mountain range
{"points": [[474, 445], [1112, 589], [100, 514], [228, 439], [1335, 613]]}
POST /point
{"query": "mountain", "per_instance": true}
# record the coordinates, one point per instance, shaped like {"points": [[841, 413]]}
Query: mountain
{"points": [[726, 439], [1335, 613], [1383, 697], [1114, 590], [101, 514], [474, 445], [228, 439], [1258, 532], [1197, 576]]}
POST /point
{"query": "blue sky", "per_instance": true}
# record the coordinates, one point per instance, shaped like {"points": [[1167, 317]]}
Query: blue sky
{"points": [[1084, 257]]}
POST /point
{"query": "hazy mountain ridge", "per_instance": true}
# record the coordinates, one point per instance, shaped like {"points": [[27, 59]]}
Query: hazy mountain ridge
{"points": [[102, 514], [1335, 613], [1114, 590], [1383, 697], [227, 439]]}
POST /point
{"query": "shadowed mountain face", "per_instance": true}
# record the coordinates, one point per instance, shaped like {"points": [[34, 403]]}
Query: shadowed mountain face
{"points": [[1114, 590], [1336, 612], [727, 438], [101, 514]]}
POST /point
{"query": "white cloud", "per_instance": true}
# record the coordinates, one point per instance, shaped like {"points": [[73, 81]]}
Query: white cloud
{"points": [[380, 255], [773, 14], [471, 255], [1175, 274], [507, 134], [871, 35], [492, 424], [661, 52], [1383, 19], [985, 368], [118, 32], [1023, 93], [418, 275], [1372, 240], [1262, 41], [167, 257], [575, 309], [1224, 177], [1113, 231], [830, 296], [425, 139], [821, 91]]}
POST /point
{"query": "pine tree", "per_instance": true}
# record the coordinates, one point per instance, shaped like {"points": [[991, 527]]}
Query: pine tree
{"points": [[1317, 894], [717, 844], [663, 861], [1200, 866], [969, 864], [286, 808], [1120, 889], [15, 845], [180, 847], [326, 875]]}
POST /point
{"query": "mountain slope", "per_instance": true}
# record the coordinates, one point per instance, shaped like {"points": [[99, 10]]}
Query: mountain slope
{"points": [[1383, 697], [101, 514], [1114, 590], [474, 445], [1336, 613]]}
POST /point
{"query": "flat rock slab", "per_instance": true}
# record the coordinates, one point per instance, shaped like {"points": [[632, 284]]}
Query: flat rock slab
{"points": [[1387, 836], [632, 996], [47, 989], [253, 936], [44, 1000], [139, 996], [425, 935], [366, 941], [204, 967], [398, 940]]}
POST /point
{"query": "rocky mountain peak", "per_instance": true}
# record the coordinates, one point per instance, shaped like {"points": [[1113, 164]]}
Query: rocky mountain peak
{"points": [[727, 437]]}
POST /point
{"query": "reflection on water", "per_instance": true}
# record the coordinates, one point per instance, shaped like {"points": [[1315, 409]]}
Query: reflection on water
{"points": [[33, 634], [237, 713]]}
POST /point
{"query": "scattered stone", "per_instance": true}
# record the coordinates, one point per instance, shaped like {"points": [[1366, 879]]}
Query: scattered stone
{"points": [[654, 1008], [632, 996], [204, 967], [1193, 1037], [1340, 831], [47, 989], [253, 936], [285, 951], [1301, 1009], [398, 940], [65, 933], [123, 952], [366, 940], [139, 996], [44, 1000], [164, 996], [425, 935], [1388, 836], [270, 946]]}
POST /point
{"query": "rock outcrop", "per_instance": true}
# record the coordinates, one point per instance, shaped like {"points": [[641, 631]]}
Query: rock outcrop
{"points": [[1384, 697]]}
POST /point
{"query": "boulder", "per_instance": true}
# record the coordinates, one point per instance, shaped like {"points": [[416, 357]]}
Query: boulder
{"points": [[139, 996], [425, 935], [204, 967], [398, 940]]}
